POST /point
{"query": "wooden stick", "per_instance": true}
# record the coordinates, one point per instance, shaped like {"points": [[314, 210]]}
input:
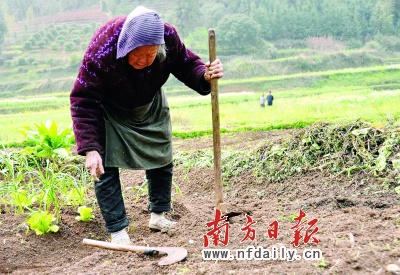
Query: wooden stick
{"points": [[216, 127]]}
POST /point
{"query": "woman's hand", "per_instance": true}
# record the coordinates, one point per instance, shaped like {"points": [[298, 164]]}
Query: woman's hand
{"points": [[94, 164], [213, 70]]}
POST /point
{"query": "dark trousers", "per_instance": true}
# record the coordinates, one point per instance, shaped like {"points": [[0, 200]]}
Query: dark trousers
{"points": [[109, 195]]}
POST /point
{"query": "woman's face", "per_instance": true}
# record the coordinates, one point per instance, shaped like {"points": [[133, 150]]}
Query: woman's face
{"points": [[142, 57]]}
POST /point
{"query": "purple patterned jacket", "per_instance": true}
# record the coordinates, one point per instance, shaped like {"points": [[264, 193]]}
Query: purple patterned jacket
{"points": [[102, 77]]}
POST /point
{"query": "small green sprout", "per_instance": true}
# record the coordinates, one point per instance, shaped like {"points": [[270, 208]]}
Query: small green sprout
{"points": [[75, 197], [291, 217], [322, 264], [42, 223], [85, 214], [22, 199]]}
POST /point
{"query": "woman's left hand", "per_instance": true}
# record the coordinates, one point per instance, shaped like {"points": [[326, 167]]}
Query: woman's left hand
{"points": [[213, 70]]}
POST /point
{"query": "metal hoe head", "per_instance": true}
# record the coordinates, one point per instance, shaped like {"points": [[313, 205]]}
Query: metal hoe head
{"points": [[223, 207], [174, 254]]}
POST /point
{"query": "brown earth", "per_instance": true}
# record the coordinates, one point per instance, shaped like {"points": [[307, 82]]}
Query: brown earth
{"points": [[358, 222]]}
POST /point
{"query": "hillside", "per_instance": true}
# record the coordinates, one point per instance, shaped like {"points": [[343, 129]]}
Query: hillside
{"points": [[43, 46]]}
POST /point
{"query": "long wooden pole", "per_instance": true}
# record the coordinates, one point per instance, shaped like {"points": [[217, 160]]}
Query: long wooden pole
{"points": [[216, 128]]}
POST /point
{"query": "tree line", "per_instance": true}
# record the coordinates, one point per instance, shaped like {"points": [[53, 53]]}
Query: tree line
{"points": [[243, 23]]}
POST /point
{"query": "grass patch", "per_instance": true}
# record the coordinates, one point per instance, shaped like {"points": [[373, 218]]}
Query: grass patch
{"points": [[347, 148], [11, 125], [370, 94], [191, 117], [290, 110]]}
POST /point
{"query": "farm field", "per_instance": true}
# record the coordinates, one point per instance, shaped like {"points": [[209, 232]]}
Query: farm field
{"points": [[358, 220], [370, 94], [328, 148]]}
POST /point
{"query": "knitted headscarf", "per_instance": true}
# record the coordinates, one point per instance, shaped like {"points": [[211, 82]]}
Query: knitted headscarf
{"points": [[143, 27]]}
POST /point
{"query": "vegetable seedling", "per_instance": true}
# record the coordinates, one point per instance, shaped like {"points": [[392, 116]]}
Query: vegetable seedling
{"points": [[85, 214], [42, 223]]}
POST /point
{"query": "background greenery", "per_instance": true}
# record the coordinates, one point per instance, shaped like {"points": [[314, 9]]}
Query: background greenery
{"points": [[323, 60]]}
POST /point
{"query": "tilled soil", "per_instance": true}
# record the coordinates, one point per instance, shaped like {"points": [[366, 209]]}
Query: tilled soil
{"points": [[358, 225]]}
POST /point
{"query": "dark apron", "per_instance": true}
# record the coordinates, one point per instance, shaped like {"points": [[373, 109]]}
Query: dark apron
{"points": [[139, 138]]}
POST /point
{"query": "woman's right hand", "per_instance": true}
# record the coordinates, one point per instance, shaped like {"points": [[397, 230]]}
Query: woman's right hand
{"points": [[94, 164]]}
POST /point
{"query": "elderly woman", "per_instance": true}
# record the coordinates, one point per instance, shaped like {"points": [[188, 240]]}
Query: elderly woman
{"points": [[120, 113]]}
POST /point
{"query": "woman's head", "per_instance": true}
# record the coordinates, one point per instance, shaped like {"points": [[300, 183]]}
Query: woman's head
{"points": [[143, 31], [144, 56]]}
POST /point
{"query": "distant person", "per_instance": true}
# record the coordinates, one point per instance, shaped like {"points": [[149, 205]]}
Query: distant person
{"points": [[270, 98], [120, 114], [262, 101]]}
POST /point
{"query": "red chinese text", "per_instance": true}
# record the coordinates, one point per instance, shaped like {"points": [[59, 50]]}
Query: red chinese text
{"points": [[300, 225], [251, 233], [273, 230], [216, 232]]}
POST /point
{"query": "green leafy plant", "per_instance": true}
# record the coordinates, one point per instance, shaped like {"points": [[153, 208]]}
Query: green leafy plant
{"points": [[54, 184], [22, 199], [75, 197], [384, 152], [85, 214], [48, 140], [42, 223]]}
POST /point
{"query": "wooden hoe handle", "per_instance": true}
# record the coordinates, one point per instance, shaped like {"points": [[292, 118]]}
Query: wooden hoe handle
{"points": [[216, 128]]}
